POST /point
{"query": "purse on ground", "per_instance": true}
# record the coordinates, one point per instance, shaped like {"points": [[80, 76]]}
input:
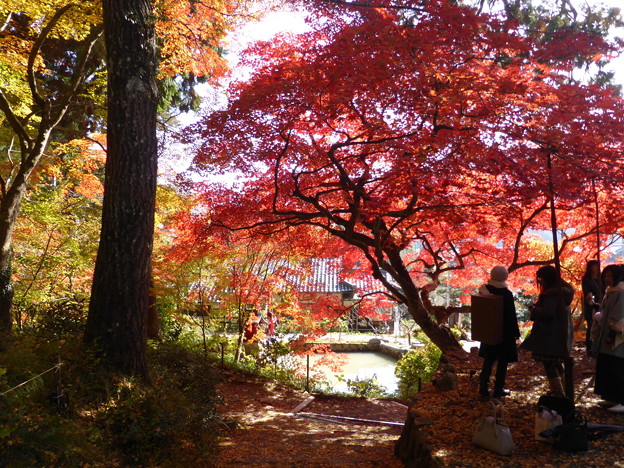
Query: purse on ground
{"points": [[493, 434], [546, 419], [572, 435], [564, 406]]}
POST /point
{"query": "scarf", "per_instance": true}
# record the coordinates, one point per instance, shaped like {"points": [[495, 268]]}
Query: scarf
{"points": [[497, 284]]}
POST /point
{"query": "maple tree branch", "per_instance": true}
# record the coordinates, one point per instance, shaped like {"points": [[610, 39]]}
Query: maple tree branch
{"points": [[278, 160], [79, 73], [3, 182], [7, 21], [25, 139], [523, 226], [43, 258], [378, 265], [564, 10], [32, 82], [93, 140]]}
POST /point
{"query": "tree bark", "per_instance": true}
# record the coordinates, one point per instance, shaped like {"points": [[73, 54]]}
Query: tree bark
{"points": [[439, 333], [117, 320], [415, 298]]}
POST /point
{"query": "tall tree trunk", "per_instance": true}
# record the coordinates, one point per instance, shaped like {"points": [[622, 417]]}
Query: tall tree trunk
{"points": [[117, 320]]}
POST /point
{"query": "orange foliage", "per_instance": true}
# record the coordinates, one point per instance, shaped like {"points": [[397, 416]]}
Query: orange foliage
{"points": [[191, 33]]}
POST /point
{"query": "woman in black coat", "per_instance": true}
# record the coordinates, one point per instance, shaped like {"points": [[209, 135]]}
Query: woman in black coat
{"points": [[552, 333], [506, 351], [593, 290]]}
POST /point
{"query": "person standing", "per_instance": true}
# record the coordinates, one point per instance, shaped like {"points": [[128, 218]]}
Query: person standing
{"points": [[593, 290], [271, 322], [506, 351], [551, 337], [608, 345]]}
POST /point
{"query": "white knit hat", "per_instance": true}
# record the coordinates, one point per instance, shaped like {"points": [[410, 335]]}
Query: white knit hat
{"points": [[499, 273]]}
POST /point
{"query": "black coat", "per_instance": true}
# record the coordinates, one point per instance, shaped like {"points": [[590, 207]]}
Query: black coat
{"points": [[552, 331], [505, 351]]}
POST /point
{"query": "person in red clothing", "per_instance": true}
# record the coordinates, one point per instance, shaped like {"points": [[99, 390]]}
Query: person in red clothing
{"points": [[271, 322], [252, 328]]}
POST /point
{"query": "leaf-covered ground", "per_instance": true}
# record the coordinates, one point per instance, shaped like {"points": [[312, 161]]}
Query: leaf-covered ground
{"points": [[259, 431], [456, 412]]}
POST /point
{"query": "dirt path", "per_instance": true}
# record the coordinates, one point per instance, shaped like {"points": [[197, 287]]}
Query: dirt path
{"points": [[261, 432], [267, 435]]}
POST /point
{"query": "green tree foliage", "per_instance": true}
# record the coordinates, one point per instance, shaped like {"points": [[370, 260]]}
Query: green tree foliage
{"points": [[56, 236], [43, 80]]}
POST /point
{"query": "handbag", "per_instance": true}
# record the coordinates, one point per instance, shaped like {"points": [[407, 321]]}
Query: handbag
{"points": [[572, 435], [493, 434], [562, 405], [546, 419]]}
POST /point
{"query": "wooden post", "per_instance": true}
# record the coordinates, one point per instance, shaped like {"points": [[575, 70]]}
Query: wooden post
{"points": [[308, 374]]}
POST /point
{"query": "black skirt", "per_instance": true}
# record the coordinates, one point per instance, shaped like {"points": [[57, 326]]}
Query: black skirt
{"points": [[506, 351], [610, 378]]}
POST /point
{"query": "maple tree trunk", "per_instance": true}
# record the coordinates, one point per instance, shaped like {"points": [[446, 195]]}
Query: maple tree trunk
{"points": [[117, 320], [241, 322], [418, 303], [9, 210], [439, 334]]}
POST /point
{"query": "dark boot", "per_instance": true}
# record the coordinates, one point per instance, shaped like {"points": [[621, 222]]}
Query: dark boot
{"points": [[499, 385], [500, 392]]}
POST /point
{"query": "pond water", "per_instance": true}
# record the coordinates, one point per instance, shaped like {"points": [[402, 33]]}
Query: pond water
{"points": [[360, 365]]}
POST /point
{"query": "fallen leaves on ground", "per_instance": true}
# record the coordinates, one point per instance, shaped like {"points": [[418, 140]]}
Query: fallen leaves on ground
{"points": [[259, 431], [456, 412], [263, 433]]}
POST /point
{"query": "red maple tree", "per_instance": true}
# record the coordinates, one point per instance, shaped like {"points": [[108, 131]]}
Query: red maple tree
{"points": [[420, 139]]}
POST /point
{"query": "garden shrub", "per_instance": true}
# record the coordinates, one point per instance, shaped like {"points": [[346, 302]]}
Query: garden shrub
{"points": [[417, 365], [170, 328], [55, 320], [365, 387]]}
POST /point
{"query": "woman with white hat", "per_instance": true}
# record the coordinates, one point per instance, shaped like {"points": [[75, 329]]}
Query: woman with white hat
{"points": [[506, 351]]}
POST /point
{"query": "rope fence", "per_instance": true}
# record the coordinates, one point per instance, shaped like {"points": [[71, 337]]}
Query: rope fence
{"points": [[57, 366]]}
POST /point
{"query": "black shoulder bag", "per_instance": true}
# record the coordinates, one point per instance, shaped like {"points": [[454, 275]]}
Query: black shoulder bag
{"points": [[571, 436]]}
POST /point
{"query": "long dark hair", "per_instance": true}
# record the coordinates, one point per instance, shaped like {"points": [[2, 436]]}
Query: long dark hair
{"points": [[549, 277], [588, 268]]}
